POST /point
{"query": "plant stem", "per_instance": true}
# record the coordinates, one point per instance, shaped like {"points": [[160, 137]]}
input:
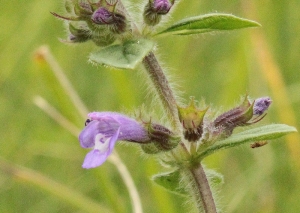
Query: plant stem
{"points": [[197, 178], [206, 201], [163, 88]]}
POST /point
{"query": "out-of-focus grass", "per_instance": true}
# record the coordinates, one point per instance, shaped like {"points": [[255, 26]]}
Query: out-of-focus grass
{"points": [[218, 67]]}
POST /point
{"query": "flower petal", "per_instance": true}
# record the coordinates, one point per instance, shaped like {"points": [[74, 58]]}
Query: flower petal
{"points": [[99, 155], [94, 158], [130, 129], [101, 115], [106, 126], [261, 105], [113, 141], [88, 134]]}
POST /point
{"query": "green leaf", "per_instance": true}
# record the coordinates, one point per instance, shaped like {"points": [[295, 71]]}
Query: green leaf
{"points": [[214, 177], [208, 23], [267, 132], [170, 181], [123, 56]]}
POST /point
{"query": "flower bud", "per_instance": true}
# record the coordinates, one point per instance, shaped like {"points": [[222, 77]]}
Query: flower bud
{"points": [[243, 115], [154, 9], [161, 6], [236, 116], [192, 121], [103, 16], [150, 17], [161, 139], [261, 105], [83, 10], [164, 139], [79, 32]]}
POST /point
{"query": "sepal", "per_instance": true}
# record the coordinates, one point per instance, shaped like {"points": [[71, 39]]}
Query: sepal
{"points": [[192, 121], [245, 114]]}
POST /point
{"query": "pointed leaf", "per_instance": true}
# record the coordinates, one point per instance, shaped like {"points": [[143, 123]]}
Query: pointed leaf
{"points": [[170, 181], [123, 56], [209, 23], [267, 132]]}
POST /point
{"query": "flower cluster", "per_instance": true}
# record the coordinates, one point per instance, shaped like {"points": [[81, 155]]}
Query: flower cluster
{"points": [[100, 22], [106, 20]]}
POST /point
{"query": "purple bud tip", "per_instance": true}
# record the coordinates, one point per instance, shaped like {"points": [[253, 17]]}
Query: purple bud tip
{"points": [[261, 105], [102, 16], [161, 6]]}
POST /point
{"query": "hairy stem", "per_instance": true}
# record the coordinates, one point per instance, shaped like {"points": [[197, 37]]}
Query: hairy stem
{"points": [[202, 189], [163, 88], [197, 178]]}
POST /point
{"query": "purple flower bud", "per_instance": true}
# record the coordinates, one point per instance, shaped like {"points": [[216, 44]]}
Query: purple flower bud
{"points": [[102, 131], [102, 16], [161, 6], [78, 33], [243, 115], [161, 139], [154, 10], [261, 105], [116, 21]]}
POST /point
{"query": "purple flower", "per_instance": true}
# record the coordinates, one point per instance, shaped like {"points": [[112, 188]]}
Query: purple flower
{"points": [[161, 6], [261, 105], [102, 131], [103, 16]]}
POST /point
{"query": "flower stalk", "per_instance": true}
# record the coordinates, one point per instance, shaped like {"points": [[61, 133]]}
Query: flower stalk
{"points": [[198, 181], [202, 189], [163, 89]]}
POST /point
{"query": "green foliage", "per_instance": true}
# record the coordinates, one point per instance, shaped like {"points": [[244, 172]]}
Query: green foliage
{"points": [[208, 23], [214, 177], [123, 56], [173, 182], [170, 181], [267, 132], [219, 68]]}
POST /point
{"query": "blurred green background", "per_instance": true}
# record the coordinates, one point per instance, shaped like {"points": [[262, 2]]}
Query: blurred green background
{"points": [[40, 162]]}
